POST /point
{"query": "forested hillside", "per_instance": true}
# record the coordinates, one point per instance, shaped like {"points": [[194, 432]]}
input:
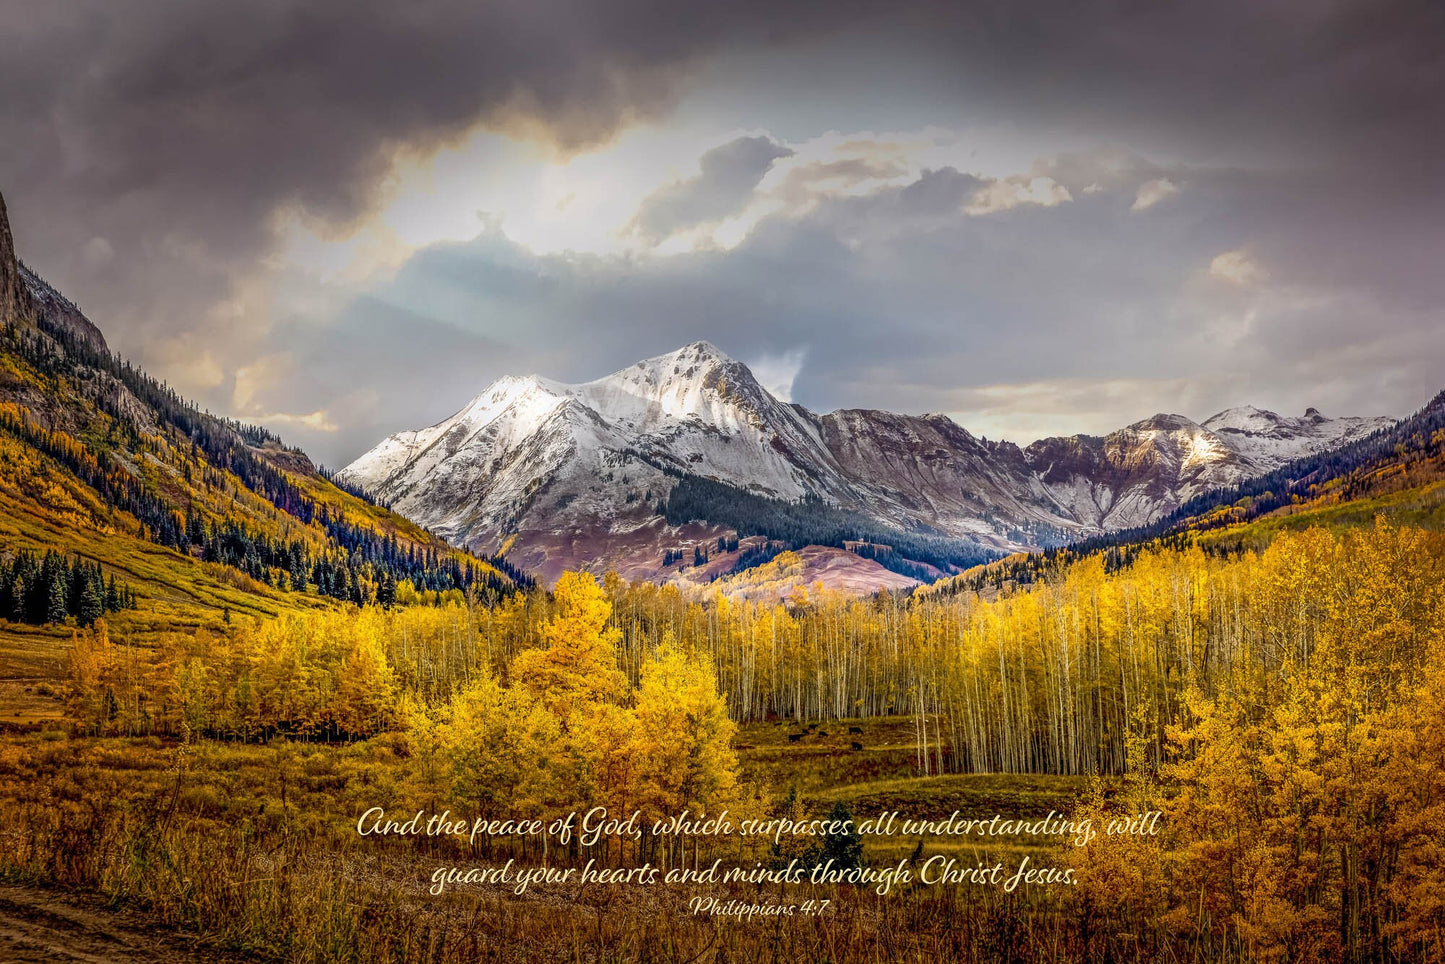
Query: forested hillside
{"points": [[111, 475], [810, 521]]}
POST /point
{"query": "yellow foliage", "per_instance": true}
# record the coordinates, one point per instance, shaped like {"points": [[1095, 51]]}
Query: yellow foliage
{"points": [[687, 760], [579, 663]]}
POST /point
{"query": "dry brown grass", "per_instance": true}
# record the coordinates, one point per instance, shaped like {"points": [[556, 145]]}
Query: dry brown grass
{"points": [[200, 838]]}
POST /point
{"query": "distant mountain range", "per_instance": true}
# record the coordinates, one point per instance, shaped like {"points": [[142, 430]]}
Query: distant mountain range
{"points": [[684, 467], [679, 468]]}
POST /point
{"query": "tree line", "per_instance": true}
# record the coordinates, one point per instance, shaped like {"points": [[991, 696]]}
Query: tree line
{"points": [[811, 521], [1057, 677], [52, 588]]}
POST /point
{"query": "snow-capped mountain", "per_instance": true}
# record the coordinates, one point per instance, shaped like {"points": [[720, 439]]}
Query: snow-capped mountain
{"points": [[1269, 440], [560, 476], [563, 475], [1134, 475]]}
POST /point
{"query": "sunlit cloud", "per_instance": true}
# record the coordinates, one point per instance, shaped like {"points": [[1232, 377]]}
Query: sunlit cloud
{"points": [[777, 372], [1007, 193], [317, 421], [1152, 192], [1238, 268]]}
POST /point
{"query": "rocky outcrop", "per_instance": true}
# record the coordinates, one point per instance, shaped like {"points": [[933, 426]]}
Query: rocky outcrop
{"points": [[16, 306], [60, 311], [25, 297]]}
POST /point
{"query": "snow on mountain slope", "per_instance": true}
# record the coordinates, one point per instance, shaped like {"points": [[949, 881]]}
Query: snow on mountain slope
{"points": [[567, 476], [545, 466], [1268, 440], [1132, 476], [502, 417], [696, 406]]}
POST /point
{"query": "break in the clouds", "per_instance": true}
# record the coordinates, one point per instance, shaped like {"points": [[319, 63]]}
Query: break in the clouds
{"points": [[725, 183], [345, 217]]}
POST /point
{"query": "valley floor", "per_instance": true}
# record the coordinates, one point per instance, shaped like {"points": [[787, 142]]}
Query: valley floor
{"points": [[139, 820]]}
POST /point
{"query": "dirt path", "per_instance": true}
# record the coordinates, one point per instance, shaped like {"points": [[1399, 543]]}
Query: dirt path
{"points": [[39, 925]]}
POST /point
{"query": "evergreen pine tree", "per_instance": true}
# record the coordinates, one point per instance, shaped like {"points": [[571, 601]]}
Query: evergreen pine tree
{"points": [[90, 602], [8, 589], [56, 601], [386, 590], [844, 849]]}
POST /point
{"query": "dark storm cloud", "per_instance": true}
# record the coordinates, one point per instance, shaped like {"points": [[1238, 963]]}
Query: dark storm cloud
{"points": [[151, 147], [723, 186], [1363, 81], [173, 133]]}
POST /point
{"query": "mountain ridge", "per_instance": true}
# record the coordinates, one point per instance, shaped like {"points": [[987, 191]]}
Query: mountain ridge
{"points": [[680, 467], [565, 475]]}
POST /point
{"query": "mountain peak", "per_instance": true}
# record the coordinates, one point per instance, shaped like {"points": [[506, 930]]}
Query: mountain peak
{"points": [[703, 348], [530, 396], [698, 353], [1269, 440], [1164, 422], [697, 381], [513, 384], [1243, 418]]}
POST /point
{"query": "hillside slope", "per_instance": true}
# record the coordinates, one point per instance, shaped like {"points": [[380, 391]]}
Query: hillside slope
{"points": [[199, 516]]}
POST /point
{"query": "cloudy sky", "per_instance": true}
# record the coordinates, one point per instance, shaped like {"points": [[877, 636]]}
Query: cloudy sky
{"points": [[345, 217]]}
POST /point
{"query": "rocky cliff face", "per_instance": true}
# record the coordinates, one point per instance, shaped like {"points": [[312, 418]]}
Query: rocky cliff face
{"points": [[25, 297], [1134, 475], [927, 471], [60, 311], [15, 302]]}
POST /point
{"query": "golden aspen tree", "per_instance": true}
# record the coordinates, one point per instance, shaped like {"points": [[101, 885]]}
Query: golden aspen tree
{"points": [[90, 665], [578, 665], [686, 760], [499, 741], [365, 699]]}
